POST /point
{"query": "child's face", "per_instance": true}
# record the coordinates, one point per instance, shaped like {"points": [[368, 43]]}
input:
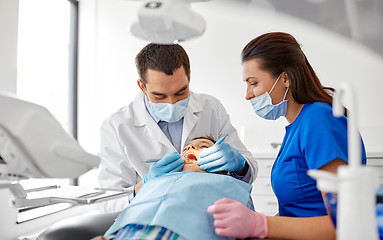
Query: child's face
{"points": [[191, 154]]}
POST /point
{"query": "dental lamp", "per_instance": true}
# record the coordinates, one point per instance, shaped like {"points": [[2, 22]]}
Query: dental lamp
{"points": [[168, 21]]}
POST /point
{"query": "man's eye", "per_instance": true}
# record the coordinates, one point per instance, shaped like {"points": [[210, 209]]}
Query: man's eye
{"points": [[205, 146], [180, 93]]}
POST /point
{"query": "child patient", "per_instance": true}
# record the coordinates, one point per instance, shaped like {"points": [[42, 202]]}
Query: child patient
{"points": [[192, 151], [175, 205]]}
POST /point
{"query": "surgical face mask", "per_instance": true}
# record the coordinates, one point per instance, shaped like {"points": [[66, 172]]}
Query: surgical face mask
{"points": [[169, 112], [263, 105]]}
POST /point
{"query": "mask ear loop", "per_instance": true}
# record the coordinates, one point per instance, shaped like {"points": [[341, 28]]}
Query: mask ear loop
{"points": [[146, 90], [147, 96], [275, 83], [284, 97]]}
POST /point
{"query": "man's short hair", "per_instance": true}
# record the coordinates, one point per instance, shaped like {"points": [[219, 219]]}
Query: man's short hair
{"points": [[163, 58]]}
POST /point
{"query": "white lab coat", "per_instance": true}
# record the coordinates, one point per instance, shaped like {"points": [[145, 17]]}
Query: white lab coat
{"points": [[130, 136]]}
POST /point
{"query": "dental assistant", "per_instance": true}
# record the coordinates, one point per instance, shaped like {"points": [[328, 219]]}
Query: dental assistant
{"points": [[281, 83], [162, 118]]}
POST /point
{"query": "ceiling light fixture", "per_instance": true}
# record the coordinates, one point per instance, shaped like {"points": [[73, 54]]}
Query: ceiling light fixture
{"points": [[168, 21]]}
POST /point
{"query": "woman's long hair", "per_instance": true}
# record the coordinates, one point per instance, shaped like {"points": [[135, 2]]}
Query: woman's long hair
{"points": [[279, 52]]}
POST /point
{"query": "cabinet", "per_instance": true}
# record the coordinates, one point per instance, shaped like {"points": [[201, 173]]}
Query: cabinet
{"points": [[262, 194], [375, 159]]}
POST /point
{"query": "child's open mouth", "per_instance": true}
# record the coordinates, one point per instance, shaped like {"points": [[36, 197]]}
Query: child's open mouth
{"points": [[190, 157]]}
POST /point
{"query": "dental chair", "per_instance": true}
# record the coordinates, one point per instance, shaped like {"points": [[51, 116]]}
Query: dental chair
{"points": [[33, 144], [83, 227]]}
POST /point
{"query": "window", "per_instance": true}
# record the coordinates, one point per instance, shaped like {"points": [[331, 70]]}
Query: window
{"points": [[43, 43], [44, 60]]}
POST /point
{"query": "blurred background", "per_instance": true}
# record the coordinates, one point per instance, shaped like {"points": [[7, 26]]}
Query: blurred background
{"points": [[45, 44]]}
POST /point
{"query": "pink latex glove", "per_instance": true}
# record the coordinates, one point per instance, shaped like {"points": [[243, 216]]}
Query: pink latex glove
{"points": [[233, 219]]}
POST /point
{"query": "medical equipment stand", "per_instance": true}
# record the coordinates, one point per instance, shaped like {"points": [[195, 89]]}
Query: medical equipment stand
{"points": [[14, 197], [355, 184]]}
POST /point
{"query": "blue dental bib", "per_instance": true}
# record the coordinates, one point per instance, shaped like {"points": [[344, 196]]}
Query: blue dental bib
{"points": [[179, 202]]}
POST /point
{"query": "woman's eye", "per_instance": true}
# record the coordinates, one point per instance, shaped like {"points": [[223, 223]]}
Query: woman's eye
{"points": [[253, 84]]}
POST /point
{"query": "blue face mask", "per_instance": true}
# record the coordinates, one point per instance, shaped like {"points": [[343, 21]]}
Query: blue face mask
{"points": [[169, 112], [263, 105]]}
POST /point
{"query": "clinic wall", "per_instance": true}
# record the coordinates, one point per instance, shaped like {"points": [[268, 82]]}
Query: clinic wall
{"points": [[108, 75], [8, 44]]}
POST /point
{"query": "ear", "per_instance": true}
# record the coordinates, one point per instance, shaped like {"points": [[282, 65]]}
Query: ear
{"points": [[141, 86], [286, 79]]}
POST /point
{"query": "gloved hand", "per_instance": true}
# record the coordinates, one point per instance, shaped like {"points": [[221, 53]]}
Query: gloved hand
{"points": [[235, 220], [170, 162], [220, 157]]}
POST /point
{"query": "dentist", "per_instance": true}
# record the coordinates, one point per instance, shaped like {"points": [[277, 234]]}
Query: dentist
{"points": [[281, 83], [162, 118]]}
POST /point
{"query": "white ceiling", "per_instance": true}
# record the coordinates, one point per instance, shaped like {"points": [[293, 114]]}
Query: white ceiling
{"points": [[361, 20]]}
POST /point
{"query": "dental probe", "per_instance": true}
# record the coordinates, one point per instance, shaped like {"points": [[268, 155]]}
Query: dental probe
{"points": [[221, 140], [151, 160]]}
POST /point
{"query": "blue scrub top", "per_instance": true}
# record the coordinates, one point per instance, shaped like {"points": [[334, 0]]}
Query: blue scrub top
{"points": [[314, 139]]}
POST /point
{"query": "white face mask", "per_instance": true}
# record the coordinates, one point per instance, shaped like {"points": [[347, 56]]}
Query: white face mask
{"points": [[263, 105], [169, 112]]}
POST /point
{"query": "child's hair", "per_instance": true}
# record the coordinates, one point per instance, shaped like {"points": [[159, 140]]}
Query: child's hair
{"points": [[207, 137]]}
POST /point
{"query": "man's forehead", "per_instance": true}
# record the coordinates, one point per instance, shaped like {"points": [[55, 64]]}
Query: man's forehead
{"points": [[153, 74], [167, 84]]}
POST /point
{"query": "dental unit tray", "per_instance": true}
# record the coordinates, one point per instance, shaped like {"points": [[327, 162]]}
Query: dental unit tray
{"points": [[75, 195]]}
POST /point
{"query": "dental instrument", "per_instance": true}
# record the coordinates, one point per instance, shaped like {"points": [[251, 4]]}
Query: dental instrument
{"points": [[151, 160], [221, 140]]}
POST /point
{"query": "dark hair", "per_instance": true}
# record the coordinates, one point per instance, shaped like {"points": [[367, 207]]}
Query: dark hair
{"points": [[207, 137], [163, 58], [279, 52]]}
